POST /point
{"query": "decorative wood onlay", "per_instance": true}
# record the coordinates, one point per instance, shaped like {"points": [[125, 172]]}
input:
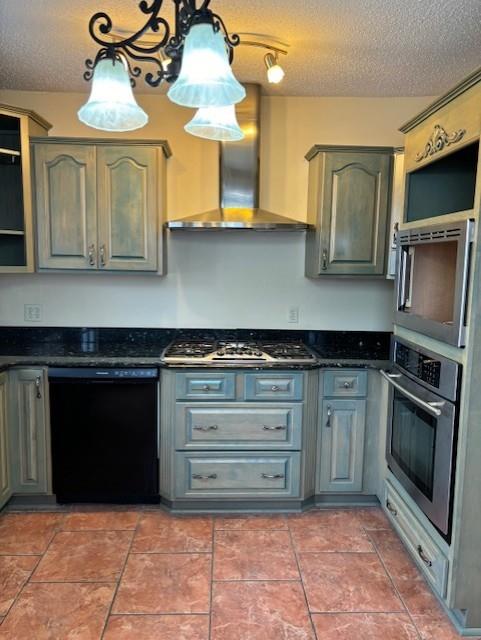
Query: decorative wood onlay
{"points": [[439, 139]]}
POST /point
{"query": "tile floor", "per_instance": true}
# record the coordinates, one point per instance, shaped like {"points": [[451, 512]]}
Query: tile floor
{"points": [[140, 574]]}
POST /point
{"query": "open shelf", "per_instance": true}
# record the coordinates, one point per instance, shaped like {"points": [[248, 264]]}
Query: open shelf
{"points": [[444, 186], [11, 232], [10, 133], [9, 152]]}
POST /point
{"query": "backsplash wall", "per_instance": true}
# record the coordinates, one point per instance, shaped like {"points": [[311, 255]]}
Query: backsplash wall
{"points": [[219, 280], [224, 280]]}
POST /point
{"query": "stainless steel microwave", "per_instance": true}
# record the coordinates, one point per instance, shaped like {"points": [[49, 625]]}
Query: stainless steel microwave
{"points": [[432, 280]]}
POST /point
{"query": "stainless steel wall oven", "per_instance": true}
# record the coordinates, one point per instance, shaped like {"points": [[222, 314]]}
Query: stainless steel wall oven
{"points": [[432, 280], [422, 428]]}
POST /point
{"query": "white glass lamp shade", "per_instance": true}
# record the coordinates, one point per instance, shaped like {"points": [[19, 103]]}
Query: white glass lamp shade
{"points": [[111, 105], [206, 78], [215, 123]]}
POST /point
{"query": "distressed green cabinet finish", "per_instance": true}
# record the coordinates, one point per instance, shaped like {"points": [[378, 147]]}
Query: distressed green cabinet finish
{"points": [[342, 454], [5, 468], [205, 386], [127, 203], [238, 426], [66, 206], [30, 451], [220, 475], [348, 206], [99, 204]]}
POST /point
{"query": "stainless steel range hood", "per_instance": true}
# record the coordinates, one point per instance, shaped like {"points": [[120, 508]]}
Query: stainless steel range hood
{"points": [[239, 183]]}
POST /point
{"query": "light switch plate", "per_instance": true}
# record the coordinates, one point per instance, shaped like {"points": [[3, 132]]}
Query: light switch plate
{"points": [[32, 312]]}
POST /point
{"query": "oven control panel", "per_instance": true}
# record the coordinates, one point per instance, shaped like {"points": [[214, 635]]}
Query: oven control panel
{"points": [[418, 364], [432, 370]]}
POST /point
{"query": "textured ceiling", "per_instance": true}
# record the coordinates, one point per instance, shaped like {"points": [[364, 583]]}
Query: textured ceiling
{"points": [[338, 47]]}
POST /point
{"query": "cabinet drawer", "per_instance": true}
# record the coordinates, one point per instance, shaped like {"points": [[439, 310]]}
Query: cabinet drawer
{"points": [[205, 385], [275, 386], [238, 426], [347, 383], [422, 547], [230, 475]]}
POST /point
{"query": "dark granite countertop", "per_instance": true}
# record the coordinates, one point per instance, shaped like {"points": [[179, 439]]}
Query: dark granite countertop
{"points": [[70, 347]]}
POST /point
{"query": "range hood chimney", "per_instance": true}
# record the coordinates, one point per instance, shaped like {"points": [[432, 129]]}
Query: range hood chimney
{"points": [[239, 182]]}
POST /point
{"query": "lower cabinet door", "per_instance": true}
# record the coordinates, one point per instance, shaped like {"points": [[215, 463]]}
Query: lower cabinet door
{"points": [[28, 446], [5, 484], [220, 475], [342, 445]]}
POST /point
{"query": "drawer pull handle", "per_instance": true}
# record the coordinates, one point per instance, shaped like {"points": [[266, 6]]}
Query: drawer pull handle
{"points": [[211, 476], [390, 508], [275, 388], [423, 556], [273, 476], [329, 414], [210, 427], [324, 260], [279, 427], [348, 385]]}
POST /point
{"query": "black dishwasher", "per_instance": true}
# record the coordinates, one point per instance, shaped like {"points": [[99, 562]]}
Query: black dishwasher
{"points": [[104, 434]]}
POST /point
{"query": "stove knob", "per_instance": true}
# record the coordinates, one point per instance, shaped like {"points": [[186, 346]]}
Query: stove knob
{"points": [[258, 354], [221, 353]]}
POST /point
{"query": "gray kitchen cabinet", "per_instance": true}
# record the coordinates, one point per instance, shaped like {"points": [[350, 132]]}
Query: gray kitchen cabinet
{"points": [[348, 206], [127, 203], [237, 436], [343, 424], [5, 467], [342, 427], [100, 204], [66, 206], [16, 219], [28, 421]]}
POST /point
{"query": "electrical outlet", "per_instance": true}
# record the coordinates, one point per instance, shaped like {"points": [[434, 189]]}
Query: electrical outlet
{"points": [[32, 312], [293, 315]]}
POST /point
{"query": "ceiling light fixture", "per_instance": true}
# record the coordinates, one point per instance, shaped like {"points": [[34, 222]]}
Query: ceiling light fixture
{"points": [[199, 50], [274, 47], [275, 73], [216, 123]]}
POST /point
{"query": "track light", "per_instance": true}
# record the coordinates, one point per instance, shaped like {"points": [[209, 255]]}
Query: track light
{"points": [[275, 73]]}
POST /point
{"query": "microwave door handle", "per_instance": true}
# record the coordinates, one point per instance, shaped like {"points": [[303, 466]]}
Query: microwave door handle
{"points": [[432, 408]]}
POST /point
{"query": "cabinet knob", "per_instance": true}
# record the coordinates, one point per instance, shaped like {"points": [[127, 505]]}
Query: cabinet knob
{"points": [[206, 387], [274, 387], [347, 385]]}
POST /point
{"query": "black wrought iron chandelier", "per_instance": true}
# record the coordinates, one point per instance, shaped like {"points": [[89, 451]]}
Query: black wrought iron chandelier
{"points": [[194, 57]]}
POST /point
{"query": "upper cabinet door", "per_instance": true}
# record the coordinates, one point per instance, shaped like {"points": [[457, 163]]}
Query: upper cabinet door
{"points": [[66, 206], [127, 179], [351, 212]]}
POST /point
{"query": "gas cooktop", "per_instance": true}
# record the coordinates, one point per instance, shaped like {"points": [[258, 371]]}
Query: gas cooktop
{"points": [[237, 353]]}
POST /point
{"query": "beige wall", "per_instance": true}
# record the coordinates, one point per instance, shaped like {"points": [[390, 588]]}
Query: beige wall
{"points": [[222, 280]]}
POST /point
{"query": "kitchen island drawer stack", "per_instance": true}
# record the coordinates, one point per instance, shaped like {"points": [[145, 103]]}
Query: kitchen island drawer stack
{"points": [[235, 435]]}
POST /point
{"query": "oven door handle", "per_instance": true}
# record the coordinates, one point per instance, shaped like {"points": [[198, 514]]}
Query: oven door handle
{"points": [[430, 407]]}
